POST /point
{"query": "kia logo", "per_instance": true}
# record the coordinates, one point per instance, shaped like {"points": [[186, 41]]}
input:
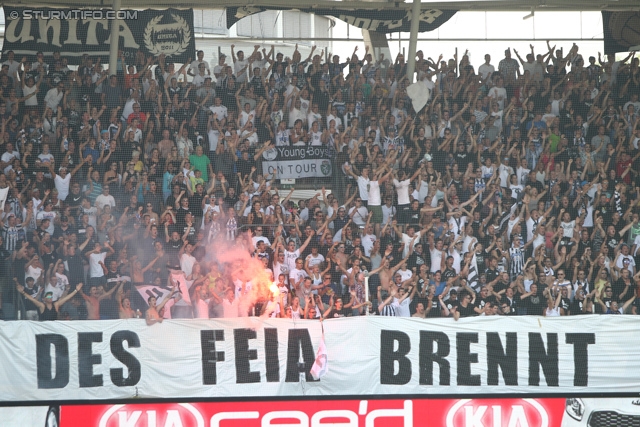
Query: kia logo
{"points": [[181, 414], [523, 412], [636, 402]]}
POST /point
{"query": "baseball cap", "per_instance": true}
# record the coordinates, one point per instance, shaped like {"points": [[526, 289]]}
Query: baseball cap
{"points": [[64, 218], [48, 295]]}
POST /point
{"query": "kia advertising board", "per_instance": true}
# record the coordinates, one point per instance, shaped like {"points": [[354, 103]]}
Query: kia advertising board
{"points": [[337, 413], [525, 412]]}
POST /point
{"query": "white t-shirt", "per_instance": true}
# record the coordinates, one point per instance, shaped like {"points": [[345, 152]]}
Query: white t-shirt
{"points": [[363, 188], [316, 139], [51, 216], [8, 158], [62, 185], [230, 308], [290, 258], [194, 67], [406, 240], [102, 201], [33, 101], [202, 309], [567, 228], [402, 310], [220, 111], [485, 70], [402, 188], [436, 259], [622, 258], [360, 217], [367, 242], [374, 194], [315, 260], [186, 263], [387, 212], [296, 276], [241, 77], [95, 269], [457, 225]]}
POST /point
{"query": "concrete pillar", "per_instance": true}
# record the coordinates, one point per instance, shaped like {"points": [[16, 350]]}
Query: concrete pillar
{"points": [[413, 41], [115, 38]]}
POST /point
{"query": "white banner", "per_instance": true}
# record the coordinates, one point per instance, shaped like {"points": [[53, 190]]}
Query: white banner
{"points": [[120, 359]]}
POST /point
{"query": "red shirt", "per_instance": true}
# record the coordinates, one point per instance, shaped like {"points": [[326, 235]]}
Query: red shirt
{"points": [[142, 117], [621, 166]]}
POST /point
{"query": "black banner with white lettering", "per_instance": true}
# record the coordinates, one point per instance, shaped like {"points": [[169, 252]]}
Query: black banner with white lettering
{"points": [[298, 162], [382, 21], [621, 31], [74, 32]]}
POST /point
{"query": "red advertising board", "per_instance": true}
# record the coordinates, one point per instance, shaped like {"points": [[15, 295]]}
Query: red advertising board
{"points": [[336, 413]]}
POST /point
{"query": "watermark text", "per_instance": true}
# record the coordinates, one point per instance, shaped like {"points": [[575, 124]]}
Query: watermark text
{"points": [[69, 14]]}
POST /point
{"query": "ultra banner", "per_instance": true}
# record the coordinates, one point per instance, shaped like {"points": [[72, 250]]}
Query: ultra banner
{"points": [[297, 162], [75, 32], [251, 357], [382, 21], [621, 31]]}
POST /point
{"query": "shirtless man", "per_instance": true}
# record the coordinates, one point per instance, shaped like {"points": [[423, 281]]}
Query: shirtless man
{"points": [[96, 294], [153, 312], [386, 273]]}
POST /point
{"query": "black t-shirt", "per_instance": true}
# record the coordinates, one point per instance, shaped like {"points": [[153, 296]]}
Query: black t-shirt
{"points": [[195, 204], [613, 241], [334, 314], [412, 216], [576, 307], [582, 245], [435, 308], [448, 274], [466, 311], [499, 286], [450, 303], [415, 260], [491, 274], [513, 304], [618, 288], [607, 303], [534, 304]]}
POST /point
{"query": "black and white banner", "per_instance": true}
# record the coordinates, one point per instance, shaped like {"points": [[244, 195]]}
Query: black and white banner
{"points": [[75, 32], [297, 162], [239, 358], [382, 21], [621, 31]]}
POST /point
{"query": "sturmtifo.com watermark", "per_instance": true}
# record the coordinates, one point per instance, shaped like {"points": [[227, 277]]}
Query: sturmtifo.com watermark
{"points": [[73, 14]]}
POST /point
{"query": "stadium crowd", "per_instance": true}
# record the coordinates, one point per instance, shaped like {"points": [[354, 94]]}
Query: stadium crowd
{"points": [[515, 191]]}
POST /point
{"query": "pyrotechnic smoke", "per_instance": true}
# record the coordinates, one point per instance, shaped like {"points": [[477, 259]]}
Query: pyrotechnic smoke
{"points": [[234, 258]]}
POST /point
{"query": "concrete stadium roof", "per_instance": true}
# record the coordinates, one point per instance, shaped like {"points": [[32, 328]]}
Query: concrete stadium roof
{"points": [[476, 6]]}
